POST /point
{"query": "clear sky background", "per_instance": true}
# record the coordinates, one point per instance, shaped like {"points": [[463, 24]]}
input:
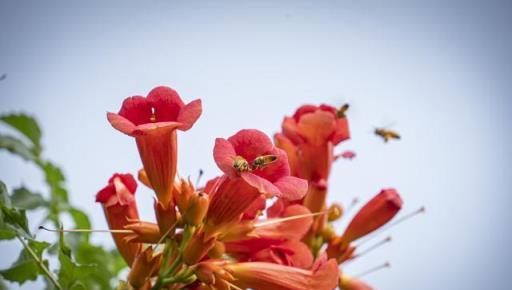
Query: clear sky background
{"points": [[440, 71]]}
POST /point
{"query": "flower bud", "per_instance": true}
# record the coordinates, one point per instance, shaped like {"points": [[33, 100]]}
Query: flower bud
{"points": [[143, 232], [374, 214], [143, 178], [183, 190], [165, 217], [197, 247], [119, 205], [143, 266], [196, 209], [217, 251]]}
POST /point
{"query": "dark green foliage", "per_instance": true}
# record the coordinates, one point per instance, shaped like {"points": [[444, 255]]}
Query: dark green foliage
{"points": [[82, 264]]}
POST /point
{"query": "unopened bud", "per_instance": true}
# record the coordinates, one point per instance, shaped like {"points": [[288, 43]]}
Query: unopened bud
{"points": [[143, 232], [197, 247], [183, 190], [165, 217], [143, 178], [196, 210], [218, 250], [143, 266]]}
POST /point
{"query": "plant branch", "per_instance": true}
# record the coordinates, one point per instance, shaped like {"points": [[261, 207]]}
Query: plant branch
{"points": [[39, 263]]}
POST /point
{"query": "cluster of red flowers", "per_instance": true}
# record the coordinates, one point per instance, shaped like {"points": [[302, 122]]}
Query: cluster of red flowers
{"points": [[215, 237]]}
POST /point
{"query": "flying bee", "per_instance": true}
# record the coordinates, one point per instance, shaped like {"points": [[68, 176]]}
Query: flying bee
{"points": [[240, 164], [386, 134], [342, 112], [262, 161]]}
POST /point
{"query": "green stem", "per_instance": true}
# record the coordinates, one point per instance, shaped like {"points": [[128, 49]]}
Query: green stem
{"points": [[39, 263]]}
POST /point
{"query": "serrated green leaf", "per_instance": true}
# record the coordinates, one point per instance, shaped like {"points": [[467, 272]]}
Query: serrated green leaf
{"points": [[16, 146], [15, 219], [81, 220], [6, 233], [4, 195], [26, 268], [55, 179], [21, 272], [24, 198], [27, 126], [71, 275]]}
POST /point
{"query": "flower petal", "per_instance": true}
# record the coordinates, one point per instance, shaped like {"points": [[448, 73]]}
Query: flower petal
{"points": [[341, 131], [189, 114], [166, 102], [262, 185], [224, 155], [121, 123], [251, 143], [292, 229], [136, 109], [317, 127], [291, 187]]}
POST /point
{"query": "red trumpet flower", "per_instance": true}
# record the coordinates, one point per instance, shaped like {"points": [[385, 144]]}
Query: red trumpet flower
{"points": [[252, 167], [308, 138], [261, 275], [153, 122], [373, 215], [118, 201]]}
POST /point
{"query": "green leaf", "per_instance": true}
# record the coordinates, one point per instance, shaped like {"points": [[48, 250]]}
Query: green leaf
{"points": [[16, 146], [26, 268], [4, 195], [27, 126], [21, 272], [55, 180], [71, 275], [81, 220], [15, 219], [2, 284], [6, 233], [23, 198]]}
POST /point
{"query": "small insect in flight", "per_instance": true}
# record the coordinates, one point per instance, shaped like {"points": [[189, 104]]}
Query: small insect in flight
{"points": [[342, 112], [262, 161], [386, 134]]}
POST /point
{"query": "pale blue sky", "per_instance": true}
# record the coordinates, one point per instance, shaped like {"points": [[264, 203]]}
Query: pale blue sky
{"points": [[440, 70]]}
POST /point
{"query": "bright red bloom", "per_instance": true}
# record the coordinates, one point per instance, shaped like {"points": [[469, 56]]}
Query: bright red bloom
{"points": [[234, 193], [272, 237], [290, 253], [119, 205], [153, 122], [309, 136], [261, 275], [272, 179], [373, 215]]}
